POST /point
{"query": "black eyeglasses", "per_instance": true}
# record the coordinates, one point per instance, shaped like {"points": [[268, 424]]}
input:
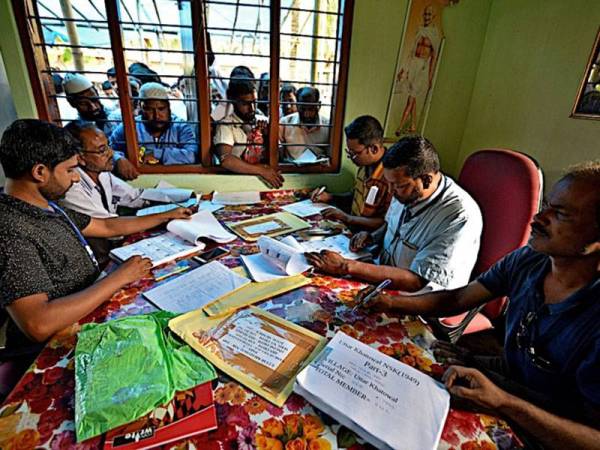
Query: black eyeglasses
{"points": [[102, 152], [526, 341]]}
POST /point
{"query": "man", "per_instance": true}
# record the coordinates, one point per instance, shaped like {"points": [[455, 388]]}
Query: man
{"points": [[364, 140], [82, 95], [240, 138], [47, 271], [163, 137], [305, 129], [432, 230], [552, 340], [287, 99], [98, 192]]}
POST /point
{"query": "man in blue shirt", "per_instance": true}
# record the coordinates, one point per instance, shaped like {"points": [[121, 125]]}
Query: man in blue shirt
{"points": [[552, 342], [165, 138]]}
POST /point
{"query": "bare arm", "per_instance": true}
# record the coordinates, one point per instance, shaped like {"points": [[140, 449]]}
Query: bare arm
{"points": [[402, 279], [234, 164], [39, 318]]}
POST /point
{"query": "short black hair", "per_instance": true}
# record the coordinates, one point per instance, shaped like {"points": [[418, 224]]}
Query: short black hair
{"points": [[241, 71], [76, 127], [415, 153], [366, 129], [239, 86], [308, 91], [27, 142], [287, 88]]}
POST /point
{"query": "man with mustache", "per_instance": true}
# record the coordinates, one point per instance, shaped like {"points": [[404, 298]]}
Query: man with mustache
{"points": [[305, 129], [430, 238], [48, 273], [83, 96], [550, 370], [163, 138]]}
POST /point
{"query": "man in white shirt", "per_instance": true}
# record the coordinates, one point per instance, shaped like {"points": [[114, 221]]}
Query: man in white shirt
{"points": [[240, 138], [305, 129], [432, 229], [99, 192]]}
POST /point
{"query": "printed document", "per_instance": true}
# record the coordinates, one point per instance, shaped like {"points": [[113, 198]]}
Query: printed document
{"points": [[236, 198], [164, 208], [276, 259], [305, 208]]}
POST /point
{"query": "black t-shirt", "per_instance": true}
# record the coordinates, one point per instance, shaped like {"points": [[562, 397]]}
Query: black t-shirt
{"points": [[39, 253]]}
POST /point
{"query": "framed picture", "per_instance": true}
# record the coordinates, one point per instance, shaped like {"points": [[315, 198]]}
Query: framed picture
{"points": [[587, 103]]}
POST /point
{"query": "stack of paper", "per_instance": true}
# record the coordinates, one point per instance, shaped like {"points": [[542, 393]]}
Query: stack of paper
{"points": [[308, 158], [387, 403], [164, 208], [236, 198], [305, 208]]}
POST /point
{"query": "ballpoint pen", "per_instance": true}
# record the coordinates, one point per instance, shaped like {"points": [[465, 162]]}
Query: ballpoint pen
{"points": [[365, 301], [320, 191]]}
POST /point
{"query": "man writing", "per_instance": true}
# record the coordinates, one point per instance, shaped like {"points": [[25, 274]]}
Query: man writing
{"points": [[552, 341], [432, 230], [47, 271], [240, 137], [364, 138]]}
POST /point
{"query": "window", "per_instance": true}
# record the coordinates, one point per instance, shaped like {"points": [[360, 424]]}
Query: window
{"points": [[191, 47]]}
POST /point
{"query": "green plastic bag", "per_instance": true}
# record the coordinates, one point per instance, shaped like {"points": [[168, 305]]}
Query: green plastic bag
{"points": [[126, 367]]}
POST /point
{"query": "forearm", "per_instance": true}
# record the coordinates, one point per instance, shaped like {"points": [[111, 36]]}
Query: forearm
{"points": [[367, 223], [235, 164], [402, 279], [124, 226], [552, 431]]}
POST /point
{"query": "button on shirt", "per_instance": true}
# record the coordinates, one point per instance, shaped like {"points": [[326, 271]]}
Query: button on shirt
{"points": [[176, 145], [565, 337], [295, 133], [87, 197], [39, 253], [234, 131], [437, 238]]}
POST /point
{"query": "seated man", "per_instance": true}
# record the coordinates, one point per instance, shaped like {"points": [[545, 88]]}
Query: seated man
{"points": [[432, 230], [364, 137], [305, 128], [82, 95], [164, 138], [240, 137], [98, 192], [552, 340], [48, 274]]}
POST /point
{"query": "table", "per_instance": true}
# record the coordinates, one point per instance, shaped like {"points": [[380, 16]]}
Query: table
{"points": [[40, 411]]}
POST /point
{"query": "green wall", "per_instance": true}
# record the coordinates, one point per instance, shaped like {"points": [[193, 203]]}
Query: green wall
{"points": [[376, 35], [533, 60]]}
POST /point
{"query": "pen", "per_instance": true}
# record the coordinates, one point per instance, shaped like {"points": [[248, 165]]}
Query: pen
{"points": [[320, 191], [373, 293]]}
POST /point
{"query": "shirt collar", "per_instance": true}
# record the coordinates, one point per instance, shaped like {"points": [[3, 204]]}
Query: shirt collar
{"points": [[425, 203]]}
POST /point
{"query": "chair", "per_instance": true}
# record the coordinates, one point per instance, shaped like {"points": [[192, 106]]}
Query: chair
{"points": [[508, 187]]}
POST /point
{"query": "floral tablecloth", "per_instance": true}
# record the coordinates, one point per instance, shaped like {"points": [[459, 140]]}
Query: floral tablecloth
{"points": [[39, 413]]}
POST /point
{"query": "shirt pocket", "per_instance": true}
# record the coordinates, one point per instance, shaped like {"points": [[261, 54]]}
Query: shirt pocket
{"points": [[405, 254]]}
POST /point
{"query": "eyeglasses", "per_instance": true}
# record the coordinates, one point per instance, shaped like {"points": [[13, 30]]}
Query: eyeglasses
{"points": [[526, 341], [105, 149], [353, 155]]}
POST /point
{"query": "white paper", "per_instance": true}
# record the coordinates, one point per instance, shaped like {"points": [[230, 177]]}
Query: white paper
{"points": [[305, 208], [202, 224], [236, 198], [308, 157], [167, 195], [195, 289], [249, 338], [275, 260], [205, 205], [159, 249], [164, 208], [338, 243], [388, 403], [263, 227]]}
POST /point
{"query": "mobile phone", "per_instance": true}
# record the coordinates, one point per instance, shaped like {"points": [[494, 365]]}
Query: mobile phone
{"points": [[211, 255]]}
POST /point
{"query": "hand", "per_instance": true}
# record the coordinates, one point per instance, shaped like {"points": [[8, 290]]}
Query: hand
{"points": [[382, 302], [132, 270], [448, 353], [328, 262], [179, 213], [335, 214], [271, 177], [126, 170], [471, 384], [263, 127], [323, 197], [360, 240]]}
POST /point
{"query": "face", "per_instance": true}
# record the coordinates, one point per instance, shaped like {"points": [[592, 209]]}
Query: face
{"points": [[245, 107], [60, 179], [360, 154], [88, 105], [406, 190], [308, 113], [156, 114], [567, 222], [113, 81], [427, 15], [96, 156], [290, 107]]}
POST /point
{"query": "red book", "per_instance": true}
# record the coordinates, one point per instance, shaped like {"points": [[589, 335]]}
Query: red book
{"points": [[189, 413]]}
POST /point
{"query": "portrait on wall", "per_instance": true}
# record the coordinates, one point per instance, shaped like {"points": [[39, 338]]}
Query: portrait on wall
{"points": [[418, 58], [587, 102]]}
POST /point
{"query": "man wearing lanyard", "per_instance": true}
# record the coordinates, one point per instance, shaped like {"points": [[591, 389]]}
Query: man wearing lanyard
{"points": [[432, 228], [48, 274], [550, 373]]}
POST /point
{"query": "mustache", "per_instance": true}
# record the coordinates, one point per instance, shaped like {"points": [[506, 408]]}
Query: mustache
{"points": [[538, 229]]}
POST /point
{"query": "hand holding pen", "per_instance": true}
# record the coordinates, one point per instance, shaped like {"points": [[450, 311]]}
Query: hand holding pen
{"points": [[366, 295]]}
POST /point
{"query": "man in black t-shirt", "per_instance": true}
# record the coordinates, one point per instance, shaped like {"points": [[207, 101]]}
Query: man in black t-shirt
{"points": [[47, 271]]}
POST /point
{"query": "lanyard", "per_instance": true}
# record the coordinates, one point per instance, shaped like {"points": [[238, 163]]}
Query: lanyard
{"points": [[80, 237]]}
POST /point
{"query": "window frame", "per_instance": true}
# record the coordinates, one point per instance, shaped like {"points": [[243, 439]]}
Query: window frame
{"points": [[25, 11]]}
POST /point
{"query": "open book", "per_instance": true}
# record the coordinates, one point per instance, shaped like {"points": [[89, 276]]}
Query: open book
{"points": [[284, 258], [183, 238], [386, 402]]}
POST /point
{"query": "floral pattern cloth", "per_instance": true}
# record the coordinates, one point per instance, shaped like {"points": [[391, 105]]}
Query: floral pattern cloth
{"points": [[39, 412]]}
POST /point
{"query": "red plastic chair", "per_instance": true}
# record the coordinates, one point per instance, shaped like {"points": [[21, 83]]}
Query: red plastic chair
{"points": [[507, 186]]}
